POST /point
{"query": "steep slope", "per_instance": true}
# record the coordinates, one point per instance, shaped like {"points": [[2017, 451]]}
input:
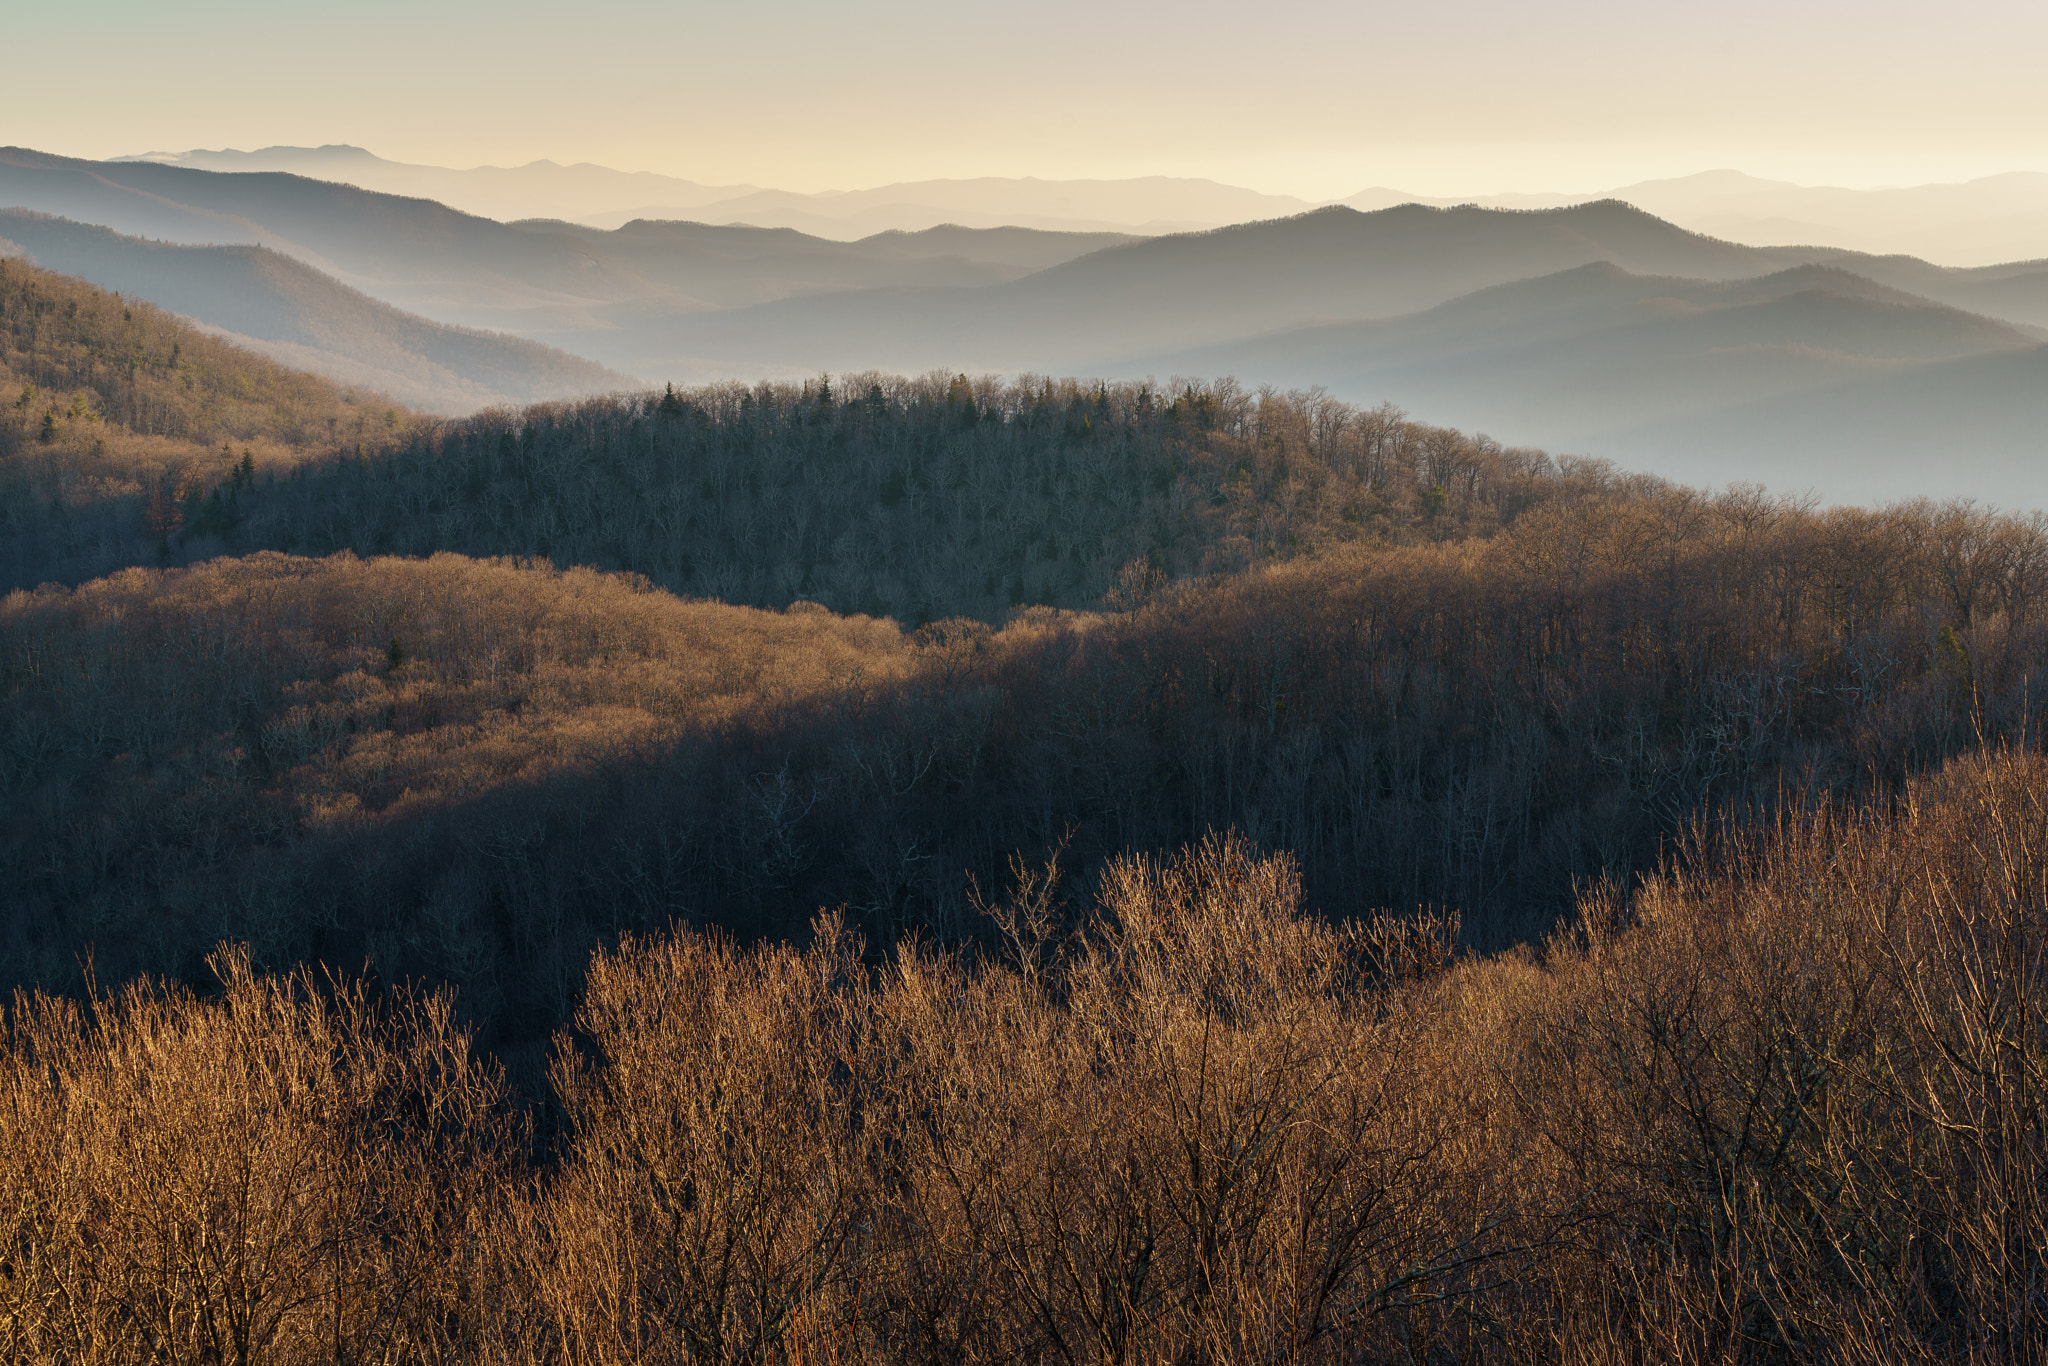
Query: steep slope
{"points": [[307, 320]]}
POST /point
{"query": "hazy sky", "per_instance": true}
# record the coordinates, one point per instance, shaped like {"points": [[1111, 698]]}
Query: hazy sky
{"points": [[1317, 98]]}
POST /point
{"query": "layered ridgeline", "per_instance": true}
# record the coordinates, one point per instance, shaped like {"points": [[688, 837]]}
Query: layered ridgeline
{"points": [[123, 427], [1592, 327], [535, 277], [1813, 374], [934, 621], [300, 317]]}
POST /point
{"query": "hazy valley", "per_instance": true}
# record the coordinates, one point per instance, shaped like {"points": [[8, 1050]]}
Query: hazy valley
{"points": [[1483, 318]]}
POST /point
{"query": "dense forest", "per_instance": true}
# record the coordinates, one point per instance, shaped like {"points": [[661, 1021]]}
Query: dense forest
{"points": [[918, 499], [944, 869]]}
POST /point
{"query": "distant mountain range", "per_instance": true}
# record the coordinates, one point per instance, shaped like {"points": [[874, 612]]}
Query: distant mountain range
{"points": [[1977, 222], [1763, 378], [539, 189], [1594, 327], [539, 278], [1119, 310], [599, 197]]}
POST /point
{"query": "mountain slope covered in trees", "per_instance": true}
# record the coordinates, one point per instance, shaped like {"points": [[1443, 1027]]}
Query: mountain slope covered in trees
{"points": [[921, 499], [1254, 1133], [122, 426], [1437, 670], [475, 770]]}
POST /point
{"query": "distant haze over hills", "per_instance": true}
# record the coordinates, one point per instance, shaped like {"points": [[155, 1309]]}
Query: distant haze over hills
{"points": [[1977, 222], [600, 197], [539, 189], [1117, 311], [538, 278], [1593, 327], [1762, 378]]}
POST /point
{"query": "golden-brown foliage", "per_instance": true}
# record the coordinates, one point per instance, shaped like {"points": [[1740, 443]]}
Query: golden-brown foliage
{"points": [[156, 375], [1805, 1078], [1783, 1103], [287, 1172], [272, 705]]}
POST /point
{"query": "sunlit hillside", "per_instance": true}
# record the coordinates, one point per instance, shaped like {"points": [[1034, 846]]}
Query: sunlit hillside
{"points": [[118, 422]]}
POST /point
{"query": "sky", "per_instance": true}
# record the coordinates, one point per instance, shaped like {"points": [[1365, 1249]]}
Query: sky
{"points": [[1316, 98]]}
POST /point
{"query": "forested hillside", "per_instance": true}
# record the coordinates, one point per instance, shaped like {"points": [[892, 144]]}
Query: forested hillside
{"points": [[918, 499], [1753, 1115], [118, 422], [935, 621]]}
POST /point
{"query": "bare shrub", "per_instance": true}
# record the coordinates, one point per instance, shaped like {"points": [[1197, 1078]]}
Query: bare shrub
{"points": [[284, 1173]]}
